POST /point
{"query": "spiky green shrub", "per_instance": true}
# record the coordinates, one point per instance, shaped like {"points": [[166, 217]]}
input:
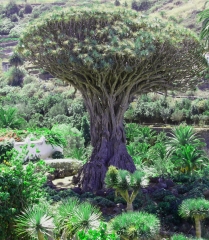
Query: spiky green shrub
{"points": [[198, 209], [34, 222], [136, 225], [73, 216]]}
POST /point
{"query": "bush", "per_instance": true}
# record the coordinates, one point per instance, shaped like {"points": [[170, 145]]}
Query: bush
{"points": [[28, 9], [136, 225], [16, 31], [5, 148], [14, 18], [15, 77], [5, 26], [19, 187], [11, 8]]}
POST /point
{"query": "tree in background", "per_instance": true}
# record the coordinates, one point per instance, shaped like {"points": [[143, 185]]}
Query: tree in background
{"points": [[110, 55]]}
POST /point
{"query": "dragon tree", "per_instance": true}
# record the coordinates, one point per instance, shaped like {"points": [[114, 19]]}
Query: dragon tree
{"points": [[110, 55]]}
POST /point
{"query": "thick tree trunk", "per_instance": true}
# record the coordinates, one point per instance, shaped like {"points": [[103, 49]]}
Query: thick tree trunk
{"points": [[108, 141]]}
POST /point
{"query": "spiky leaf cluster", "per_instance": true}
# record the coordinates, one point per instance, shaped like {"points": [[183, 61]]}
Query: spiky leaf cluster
{"points": [[194, 208], [136, 225], [113, 48], [123, 180], [74, 216], [32, 220]]}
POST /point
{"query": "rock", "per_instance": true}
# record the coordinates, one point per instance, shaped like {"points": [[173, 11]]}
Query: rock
{"points": [[65, 167]]}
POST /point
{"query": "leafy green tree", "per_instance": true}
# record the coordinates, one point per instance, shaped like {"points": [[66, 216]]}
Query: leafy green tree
{"points": [[125, 183], [110, 55], [197, 209], [136, 225]]}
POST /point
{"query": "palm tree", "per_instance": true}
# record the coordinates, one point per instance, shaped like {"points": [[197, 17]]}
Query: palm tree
{"points": [[125, 183], [197, 209], [204, 18], [136, 225], [34, 222], [181, 136], [189, 158]]}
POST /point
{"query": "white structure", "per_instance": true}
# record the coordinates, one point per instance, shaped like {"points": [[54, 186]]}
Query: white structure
{"points": [[39, 148]]}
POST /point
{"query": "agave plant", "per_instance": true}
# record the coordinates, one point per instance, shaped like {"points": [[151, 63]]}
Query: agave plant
{"points": [[34, 222], [197, 209], [125, 183], [73, 216], [136, 225]]}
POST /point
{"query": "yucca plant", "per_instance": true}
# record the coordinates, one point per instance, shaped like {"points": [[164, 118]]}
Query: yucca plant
{"points": [[35, 222], [125, 183], [136, 225], [64, 212], [197, 209], [73, 216]]}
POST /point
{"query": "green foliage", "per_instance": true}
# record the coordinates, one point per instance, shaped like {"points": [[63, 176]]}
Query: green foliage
{"points": [[73, 217], [16, 59], [53, 137], [126, 39], [10, 119], [74, 140], [34, 222], [188, 158], [20, 186], [125, 183], [11, 8], [136, 225], [5, 26], [100, 234], [194, 208], [5, 151], [181, 136], [14, 76]]}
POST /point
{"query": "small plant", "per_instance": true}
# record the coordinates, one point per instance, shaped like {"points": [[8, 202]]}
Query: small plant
{"points": [[5, 150], [9, 118], [34, 222], [74, 216], [100, 234], [136, 225], [197, 209], [125, 183]]}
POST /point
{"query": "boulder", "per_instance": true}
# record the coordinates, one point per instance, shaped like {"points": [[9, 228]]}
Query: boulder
{"points": [[65, 167]]}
